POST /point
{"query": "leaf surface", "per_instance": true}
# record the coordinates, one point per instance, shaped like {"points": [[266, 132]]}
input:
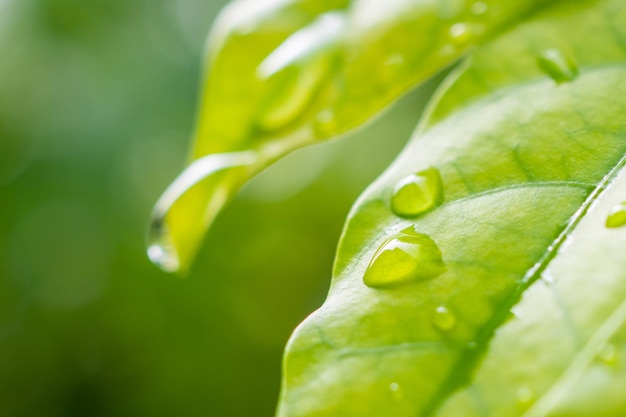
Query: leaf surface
{"points": [[529, 137]]}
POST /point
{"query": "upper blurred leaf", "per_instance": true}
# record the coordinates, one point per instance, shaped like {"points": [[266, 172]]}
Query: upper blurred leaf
{"points": [[284, 73]]}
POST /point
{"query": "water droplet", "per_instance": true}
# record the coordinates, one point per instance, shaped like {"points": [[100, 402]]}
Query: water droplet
{"points": [[395, 59], [324, 124], [548, 278], [444, 319], [161, 251], [560, 67], [525, 397], [460, 34], [293, 72], [608, 354], [396, 391], [188, 206], [617, 216], [417, 193], [405, 257], [479, 8]]}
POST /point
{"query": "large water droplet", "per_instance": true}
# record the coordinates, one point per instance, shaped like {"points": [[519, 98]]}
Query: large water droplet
{"points": [[560, 67], [608, 354], [444, 319], [186, 209], [295, 69], [617, 216], [405, 257], [417, 194]]}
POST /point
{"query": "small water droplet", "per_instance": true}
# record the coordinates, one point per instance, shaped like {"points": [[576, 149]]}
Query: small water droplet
{"points": [[293, 72], [405, 257], [395, 59], [525, 397], [417, 193], [396, 390], [188, 206], [617, 216], [560, 67], [391, 67], [479, 8], [324, 124], [444, 319], [460, 33], [608, 354]]}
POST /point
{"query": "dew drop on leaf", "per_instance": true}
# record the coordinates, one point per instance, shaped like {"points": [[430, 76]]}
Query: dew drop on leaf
{"points": [[407, 256], [444, 319], [417, 193], [479, 8], [324, 124], [189, 205], [460, 34], [608, 354], [617, 216], [558, 66], [525, 397]]}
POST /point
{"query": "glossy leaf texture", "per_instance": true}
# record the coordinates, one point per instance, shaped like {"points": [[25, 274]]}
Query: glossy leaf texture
{"points": [[527, 316], [281, 74]]}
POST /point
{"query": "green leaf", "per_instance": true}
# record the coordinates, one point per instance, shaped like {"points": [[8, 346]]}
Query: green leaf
{"points": [[528, 318], [282, 74]]}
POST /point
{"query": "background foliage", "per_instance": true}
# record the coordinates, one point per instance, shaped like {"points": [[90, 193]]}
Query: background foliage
{"points": [[96, 107]]}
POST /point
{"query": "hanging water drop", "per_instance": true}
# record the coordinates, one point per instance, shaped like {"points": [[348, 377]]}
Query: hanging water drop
{"points": [[560, 67], [405, 257], [293, 72], [417, 193], [189, 205], [617, 216], [444, 319], [160, 250]]}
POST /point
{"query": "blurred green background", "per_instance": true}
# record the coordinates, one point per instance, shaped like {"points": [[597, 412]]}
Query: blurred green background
{"points": [[96, 107]]}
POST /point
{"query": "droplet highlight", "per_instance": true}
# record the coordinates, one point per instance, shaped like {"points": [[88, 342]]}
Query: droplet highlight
{"points": [[444, 319], [187, 208], [408, 256], [293, 72], [558, 66], [617, 216], [418, 193]]}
